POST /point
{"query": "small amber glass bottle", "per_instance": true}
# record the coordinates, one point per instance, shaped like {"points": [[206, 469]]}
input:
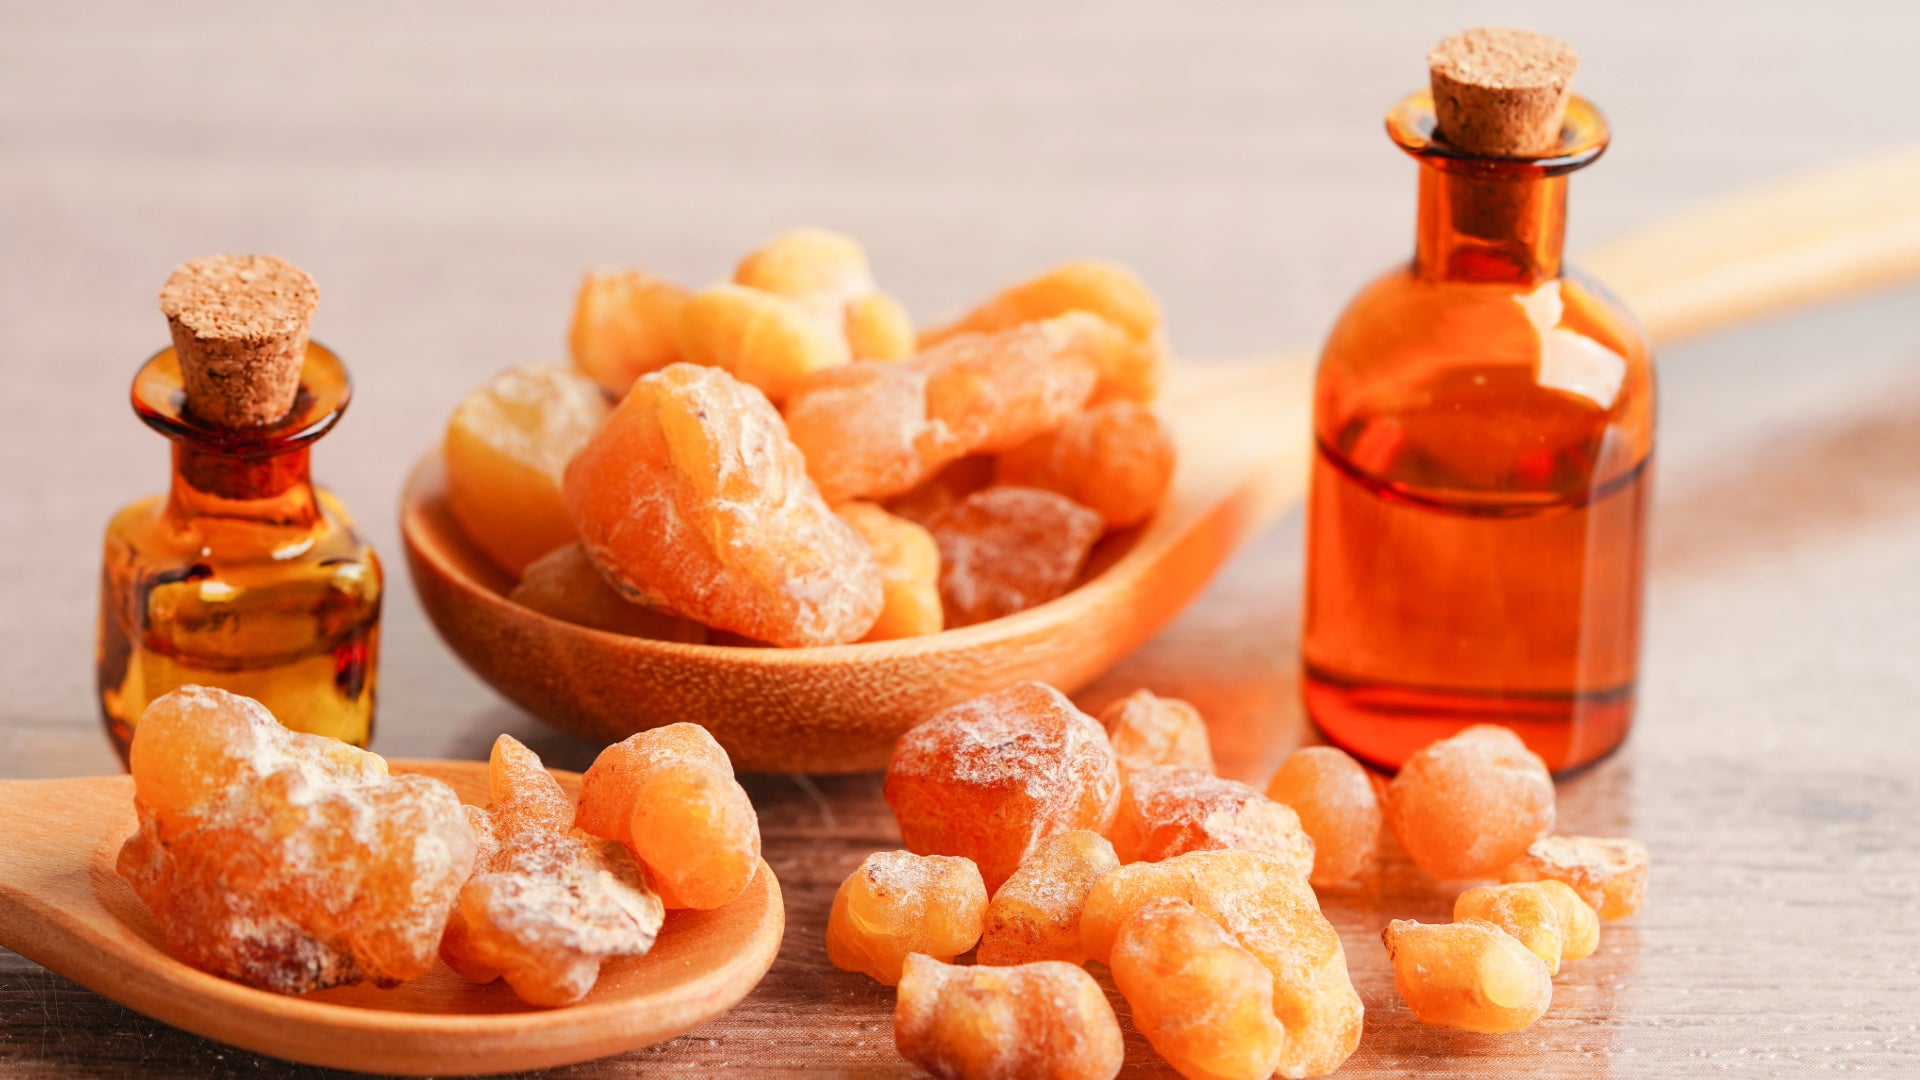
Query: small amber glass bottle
{"points": [[1483, 423], [244, 575]]}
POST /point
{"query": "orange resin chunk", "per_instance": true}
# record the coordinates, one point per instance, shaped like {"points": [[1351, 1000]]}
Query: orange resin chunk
{"points": [[1269, 908], [829, 271], [909, 572], [1469, 805], [549, 904], [565, 584], [506, 450], [1338, 807], [1042, 1021], [1133, 365], [691, 499], [875, 430], [1116, 459], [1610, 875], [1205, 1003], [625, 324], [1470, 975], [1006, 549], [898, 903], [1035, 915], [766, 340], [943, 490], [994, 776], [287, 861], [1168, 811], [669, 794], [1148, 730], [1547, 917]]}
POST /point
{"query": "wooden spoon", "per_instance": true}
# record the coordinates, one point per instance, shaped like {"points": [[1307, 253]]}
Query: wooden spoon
{"points": [[1240, 430], [63, 905]]}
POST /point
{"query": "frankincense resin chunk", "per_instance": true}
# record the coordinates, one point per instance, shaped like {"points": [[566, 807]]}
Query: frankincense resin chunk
{"points": [[1334, 796], [1469, 974], [565, 584], [994, 776], [1170, 811], [287, 861], [829, 272], [625, 324], [1609, 874], [1545, 916], [1042, 1021], [1148, 730], [1469, 805], [909, 572], [897, 903], [1035, 914], [1205, 1003], [507, 448], [875, 430], [1132, 365], [1006, 549], [691, 499], [669, 794], [550, 904], [1115, 459], [1268, 907]]}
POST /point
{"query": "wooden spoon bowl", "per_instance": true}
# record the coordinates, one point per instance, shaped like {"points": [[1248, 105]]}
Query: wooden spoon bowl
{"points": [[63, 905], [839, 708]]}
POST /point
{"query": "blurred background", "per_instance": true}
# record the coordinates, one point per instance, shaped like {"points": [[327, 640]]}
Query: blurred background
{"points": [[446, 171]]}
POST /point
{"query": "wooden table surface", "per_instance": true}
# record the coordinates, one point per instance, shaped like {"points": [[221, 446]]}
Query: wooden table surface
{"points": [[445, 173]]}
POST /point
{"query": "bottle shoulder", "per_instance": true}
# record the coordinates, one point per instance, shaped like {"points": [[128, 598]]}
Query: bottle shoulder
{"points": [[1486, 386], [147, 539]]}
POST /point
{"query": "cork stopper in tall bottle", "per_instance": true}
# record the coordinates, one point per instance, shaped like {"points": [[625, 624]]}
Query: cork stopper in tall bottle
{"points": [[239, 325], [1501, 92]]}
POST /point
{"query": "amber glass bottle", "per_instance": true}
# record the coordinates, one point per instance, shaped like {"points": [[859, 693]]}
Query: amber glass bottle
{"points": [[1483, 423], [244, 575]]}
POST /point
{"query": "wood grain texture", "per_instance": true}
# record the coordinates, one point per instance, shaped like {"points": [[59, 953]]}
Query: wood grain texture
{"points": [[65, 905], [446, 171]]}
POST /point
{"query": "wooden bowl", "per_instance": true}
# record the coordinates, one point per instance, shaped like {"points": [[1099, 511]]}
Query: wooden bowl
{"points": [[1241, 434]]}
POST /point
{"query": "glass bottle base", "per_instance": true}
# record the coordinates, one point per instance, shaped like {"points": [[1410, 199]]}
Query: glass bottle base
{"points": [[1383, 724]]}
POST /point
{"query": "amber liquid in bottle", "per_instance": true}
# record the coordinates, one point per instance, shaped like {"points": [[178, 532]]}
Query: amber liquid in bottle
{"points": [[245, 575], [1484, 429]]}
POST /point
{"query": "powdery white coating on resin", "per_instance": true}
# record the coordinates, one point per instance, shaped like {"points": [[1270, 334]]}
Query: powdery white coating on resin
{"points": [[1268, 907], [992, 777], [873, 430], [282, 860], [1006, 549], [1469, 805], [1035, 915], [1041, 1021], [897, 903], [1169, 811], [692, 499]]}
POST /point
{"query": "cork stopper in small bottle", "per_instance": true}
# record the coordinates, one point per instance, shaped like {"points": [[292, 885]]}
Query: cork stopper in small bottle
{"points": [[239, 325], [1501, 92]]}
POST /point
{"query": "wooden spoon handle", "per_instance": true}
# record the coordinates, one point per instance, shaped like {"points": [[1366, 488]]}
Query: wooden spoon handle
{"points": [[1822, 236]]}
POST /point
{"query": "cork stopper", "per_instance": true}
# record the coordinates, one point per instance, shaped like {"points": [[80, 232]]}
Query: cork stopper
{"points": [[1501, 92], [239, 325]]}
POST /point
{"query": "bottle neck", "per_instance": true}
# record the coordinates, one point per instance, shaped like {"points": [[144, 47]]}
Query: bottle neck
{"points": [[1481, 229], [272, 490]]}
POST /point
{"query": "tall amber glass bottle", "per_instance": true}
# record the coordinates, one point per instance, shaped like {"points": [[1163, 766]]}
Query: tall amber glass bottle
{"points": [[244, 575], [1483, 422]]}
